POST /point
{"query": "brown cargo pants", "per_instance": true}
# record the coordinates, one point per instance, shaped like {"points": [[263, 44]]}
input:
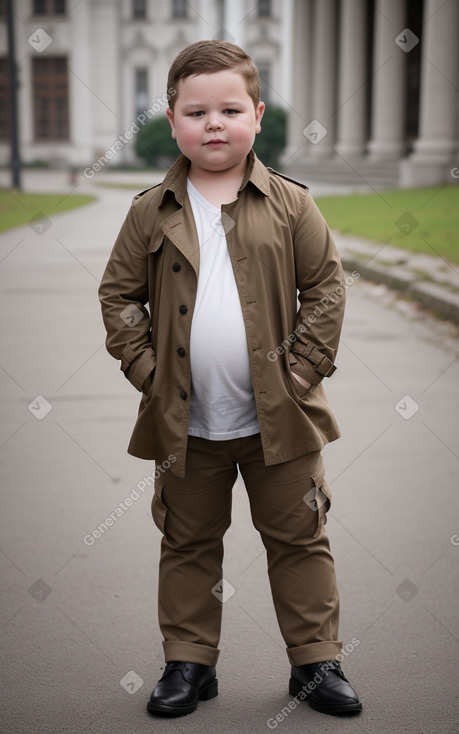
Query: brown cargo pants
{"points": [[288, 503]]}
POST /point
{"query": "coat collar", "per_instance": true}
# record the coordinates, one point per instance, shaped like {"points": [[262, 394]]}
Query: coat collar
{"points": [[176, 177]]}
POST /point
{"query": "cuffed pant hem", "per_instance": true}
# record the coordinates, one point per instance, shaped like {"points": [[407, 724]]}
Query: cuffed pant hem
{"points": [[190, 652], [315, 652]]}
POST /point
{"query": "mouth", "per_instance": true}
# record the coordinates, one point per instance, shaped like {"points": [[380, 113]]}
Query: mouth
{"points": [[217, 141]]}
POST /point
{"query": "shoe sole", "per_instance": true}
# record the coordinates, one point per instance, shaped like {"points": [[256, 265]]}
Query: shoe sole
{"points": [[334, 709], [205, 694]]}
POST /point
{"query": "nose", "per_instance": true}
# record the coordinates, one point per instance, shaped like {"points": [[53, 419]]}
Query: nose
{"points": [[214, 122]]}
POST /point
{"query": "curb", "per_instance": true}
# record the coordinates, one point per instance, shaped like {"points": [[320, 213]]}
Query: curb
{"points": [[443, 302]]}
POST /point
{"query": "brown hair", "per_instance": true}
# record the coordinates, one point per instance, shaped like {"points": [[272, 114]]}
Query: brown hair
{"points": [[206, 57]]}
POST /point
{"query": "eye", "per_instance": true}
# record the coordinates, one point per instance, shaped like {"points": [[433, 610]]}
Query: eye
{"points": [[231, 112], [196, 114]]}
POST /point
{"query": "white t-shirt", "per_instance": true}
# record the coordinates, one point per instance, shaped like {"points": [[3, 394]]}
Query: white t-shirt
{"points": [[222, 403]]}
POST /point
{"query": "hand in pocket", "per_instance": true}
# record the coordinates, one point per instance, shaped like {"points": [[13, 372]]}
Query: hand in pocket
{"points": [[303, 385], [146, 387]]}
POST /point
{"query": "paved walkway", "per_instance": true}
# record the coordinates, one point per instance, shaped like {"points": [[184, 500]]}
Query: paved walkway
{"points": [[81, 650]]}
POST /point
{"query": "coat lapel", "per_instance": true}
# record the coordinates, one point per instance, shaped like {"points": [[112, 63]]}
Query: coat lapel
{"points": [[180, 228]]}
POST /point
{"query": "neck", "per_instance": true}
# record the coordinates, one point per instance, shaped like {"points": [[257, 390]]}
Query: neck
{"points": [[234, 173], [218, 187]]}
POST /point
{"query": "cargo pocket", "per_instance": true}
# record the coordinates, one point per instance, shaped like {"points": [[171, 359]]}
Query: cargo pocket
{"points": [[158, 508], [319, 497]]}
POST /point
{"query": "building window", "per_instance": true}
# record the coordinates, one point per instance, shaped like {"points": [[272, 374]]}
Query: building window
{"points": [[179, 9], [49, 7], [139, 8], [141, 90], [264, 69], [5, 119], [264, 8], [50, 98]]}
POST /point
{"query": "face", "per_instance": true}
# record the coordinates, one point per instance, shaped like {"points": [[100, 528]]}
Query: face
{"points": [[214, 120]]}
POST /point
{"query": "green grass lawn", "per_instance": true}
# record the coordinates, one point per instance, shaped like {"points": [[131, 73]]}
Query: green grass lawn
{"points": [[17, 208], [421, 220]]}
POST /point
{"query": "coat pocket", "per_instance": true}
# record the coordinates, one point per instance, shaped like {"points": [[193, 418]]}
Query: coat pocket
{"points": [[147, 390], [148, 383], [319, 497], [299, 390], [158, 508], [304, 369]]}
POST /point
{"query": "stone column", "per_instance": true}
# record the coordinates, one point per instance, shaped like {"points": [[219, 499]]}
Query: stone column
{"points": [[300, 50], [235, 11], [323, 105], [439, 109], [388, 81], [287, 24], [80, 97], [103, 44], [353, 76], [210, 19]]}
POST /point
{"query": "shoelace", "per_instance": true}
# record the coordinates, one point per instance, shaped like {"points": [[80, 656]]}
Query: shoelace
{"points": [[335, 666], [330, 666]]}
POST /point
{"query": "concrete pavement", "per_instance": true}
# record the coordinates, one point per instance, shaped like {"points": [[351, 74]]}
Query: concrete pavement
{"points": [[81, 649]]}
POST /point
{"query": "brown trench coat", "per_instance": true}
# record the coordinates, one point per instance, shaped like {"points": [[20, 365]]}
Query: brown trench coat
{"points": [[278, 242]]}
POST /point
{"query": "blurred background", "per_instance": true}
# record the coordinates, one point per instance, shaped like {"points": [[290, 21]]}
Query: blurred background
{"points": [[353, 87], [362, 106]]}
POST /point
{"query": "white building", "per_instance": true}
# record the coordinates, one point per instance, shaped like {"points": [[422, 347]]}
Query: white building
{"points": [[375, 90], [371, 86]]}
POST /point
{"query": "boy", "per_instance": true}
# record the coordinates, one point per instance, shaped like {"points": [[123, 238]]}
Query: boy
{"points": [[230, 376]]}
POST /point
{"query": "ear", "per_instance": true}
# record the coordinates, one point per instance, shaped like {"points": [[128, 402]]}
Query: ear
{"points": [[258, 115], [170, 117]]}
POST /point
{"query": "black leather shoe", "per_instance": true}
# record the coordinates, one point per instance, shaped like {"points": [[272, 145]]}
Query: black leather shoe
{"points": [[181, 687], [325, 688]]}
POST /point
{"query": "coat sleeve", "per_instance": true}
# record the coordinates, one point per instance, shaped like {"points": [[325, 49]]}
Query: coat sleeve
{"points": [[322, 295], [123, 294]]}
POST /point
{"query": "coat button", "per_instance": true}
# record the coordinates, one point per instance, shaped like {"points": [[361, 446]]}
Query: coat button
{"points": [[183, 395], [183, 309], [181, 351], [176, 267]]}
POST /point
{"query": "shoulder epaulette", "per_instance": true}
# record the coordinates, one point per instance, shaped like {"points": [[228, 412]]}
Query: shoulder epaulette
{"points": [[287, 178], [137, 196]]}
